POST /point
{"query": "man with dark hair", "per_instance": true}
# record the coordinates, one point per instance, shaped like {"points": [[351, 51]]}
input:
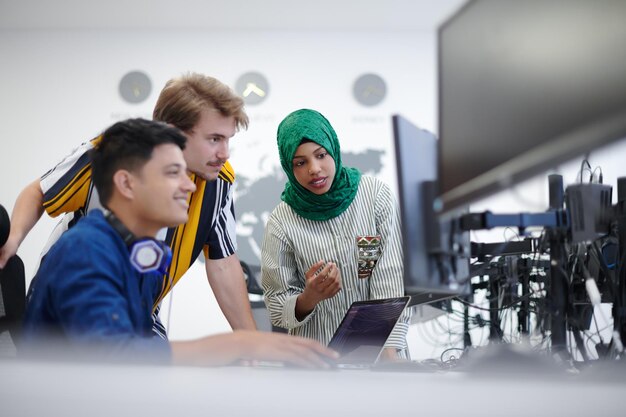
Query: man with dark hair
{"points": [[95, 288], [208, 113]]}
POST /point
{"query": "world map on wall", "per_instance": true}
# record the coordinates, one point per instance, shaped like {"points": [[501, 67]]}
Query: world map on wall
{"points": [[255, 198]]}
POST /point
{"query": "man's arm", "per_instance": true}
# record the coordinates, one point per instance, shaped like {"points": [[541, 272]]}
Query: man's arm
{"points": [[229, 286], [26, 212], [224, 349]]}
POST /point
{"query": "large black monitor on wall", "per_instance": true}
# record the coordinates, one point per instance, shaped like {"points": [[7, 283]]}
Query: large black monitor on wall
{"points": [[524, 86]]}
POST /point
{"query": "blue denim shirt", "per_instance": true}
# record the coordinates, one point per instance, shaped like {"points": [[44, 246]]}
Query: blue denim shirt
{"points": [[87, 294]]}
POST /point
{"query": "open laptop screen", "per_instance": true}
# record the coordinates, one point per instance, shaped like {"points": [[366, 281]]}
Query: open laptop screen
{"points": [[362, 334]]}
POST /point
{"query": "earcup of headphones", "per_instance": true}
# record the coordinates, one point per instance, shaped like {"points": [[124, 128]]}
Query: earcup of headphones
{"points": [[148, 255]]}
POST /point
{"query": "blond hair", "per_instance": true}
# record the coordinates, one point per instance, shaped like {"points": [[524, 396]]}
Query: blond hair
{"points": [[182, 100]]}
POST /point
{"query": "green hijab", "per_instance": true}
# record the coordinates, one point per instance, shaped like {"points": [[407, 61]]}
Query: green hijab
{"points": [[311, 125]]}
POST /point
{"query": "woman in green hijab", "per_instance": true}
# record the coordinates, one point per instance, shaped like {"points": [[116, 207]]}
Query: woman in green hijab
{"points": [[333, 240]]}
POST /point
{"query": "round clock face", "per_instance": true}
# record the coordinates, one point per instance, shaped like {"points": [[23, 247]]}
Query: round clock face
{"points": [[369, 89], [252, 87], [135, 87]]}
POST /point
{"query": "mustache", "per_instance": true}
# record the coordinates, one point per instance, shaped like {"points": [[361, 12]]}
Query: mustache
{"points": [[217, 162]]}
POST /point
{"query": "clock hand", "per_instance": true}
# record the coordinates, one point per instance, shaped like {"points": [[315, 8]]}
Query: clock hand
{"points": [[253, 88], [371, 90]]}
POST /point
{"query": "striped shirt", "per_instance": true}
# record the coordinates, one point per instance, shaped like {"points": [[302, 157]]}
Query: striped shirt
{"points": [[292, 244], [68, 190]]}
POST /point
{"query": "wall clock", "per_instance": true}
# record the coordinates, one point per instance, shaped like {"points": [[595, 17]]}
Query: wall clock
{"points": [[252, 87], [135, 87], [369, 89]]}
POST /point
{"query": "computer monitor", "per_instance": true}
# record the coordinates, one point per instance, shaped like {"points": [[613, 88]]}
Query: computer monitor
{"points": [[525, 86], [436, 257]]}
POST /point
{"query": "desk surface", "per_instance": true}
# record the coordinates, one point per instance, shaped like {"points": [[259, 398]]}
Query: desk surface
{"points": [[54, 389]]}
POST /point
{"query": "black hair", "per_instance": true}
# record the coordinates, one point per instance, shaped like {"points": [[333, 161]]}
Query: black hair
{"points": [[128, 145]]}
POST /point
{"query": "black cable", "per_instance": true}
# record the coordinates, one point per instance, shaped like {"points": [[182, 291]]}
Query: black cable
{"points": [[580, 347], [594, 171], [519, 239], [597, 253], [449, 332], [595, 321], [598, 333], [447, 350], [582, 168], [436, 339], [519, 300], [473, 319]]}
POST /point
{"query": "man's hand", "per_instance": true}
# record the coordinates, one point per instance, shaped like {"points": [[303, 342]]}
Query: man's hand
{"points": [[293, 350], [26, 212], [320, 284]]}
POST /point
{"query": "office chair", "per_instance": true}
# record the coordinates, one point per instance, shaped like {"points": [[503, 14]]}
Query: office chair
{"points": [[255, 295], [12, 304], [13, 294]]}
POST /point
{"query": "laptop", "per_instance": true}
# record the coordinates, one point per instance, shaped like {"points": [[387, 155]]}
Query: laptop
{"points": [[366, 326]]}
